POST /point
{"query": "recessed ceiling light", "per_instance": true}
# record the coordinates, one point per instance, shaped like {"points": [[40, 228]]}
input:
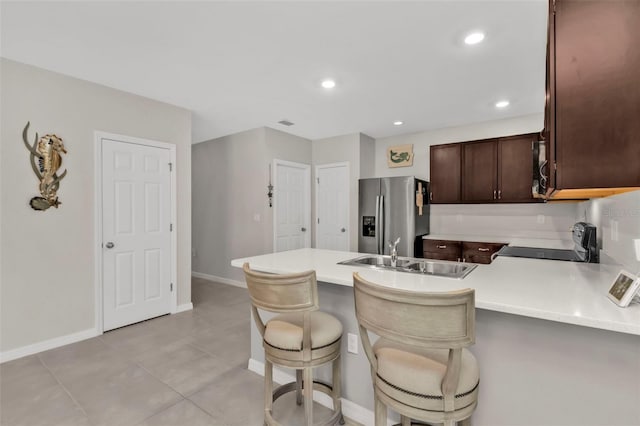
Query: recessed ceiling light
{"points": [[328, 84], [398, 123], [502, 104], [474, 38]]}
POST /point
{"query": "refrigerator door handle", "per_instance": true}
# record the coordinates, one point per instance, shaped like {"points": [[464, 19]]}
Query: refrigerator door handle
{"points": [[377, 224], [381, 233]]}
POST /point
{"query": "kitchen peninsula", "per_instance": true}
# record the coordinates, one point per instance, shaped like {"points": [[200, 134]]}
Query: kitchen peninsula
{"points": [[552, 349]]}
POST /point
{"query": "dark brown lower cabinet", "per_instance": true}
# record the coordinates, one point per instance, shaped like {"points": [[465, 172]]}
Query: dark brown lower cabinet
{"points": [[474, 252], [442, 250], [460, 251]]}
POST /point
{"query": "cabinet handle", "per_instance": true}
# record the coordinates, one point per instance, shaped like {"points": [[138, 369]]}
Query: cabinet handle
{"points": [[442, 247], [494, 194], [483, 249], [464, 260], [430, 196], [499, 194]]}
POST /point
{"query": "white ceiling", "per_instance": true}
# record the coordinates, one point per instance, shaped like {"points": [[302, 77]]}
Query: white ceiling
{"points": [[241, 65]]}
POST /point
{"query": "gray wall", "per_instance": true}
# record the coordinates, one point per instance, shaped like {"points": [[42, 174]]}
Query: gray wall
{"points": [[231, 214], [47, 258]]}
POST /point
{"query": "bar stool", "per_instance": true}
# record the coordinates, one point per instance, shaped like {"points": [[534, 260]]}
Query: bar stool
{"points": [[419, 365], [300, 337]]}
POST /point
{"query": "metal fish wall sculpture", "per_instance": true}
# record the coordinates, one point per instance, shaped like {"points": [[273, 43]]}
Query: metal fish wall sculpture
{"points": [[45, 162]]}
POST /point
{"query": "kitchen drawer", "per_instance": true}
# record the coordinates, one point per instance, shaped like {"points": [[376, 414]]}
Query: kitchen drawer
{"points": [[477, 258], [452, 248], [479, 252], [442, 256]]}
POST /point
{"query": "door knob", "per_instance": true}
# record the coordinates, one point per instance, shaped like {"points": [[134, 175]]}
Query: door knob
{"points": [[303, 229], [110, 245], [343, 230]]}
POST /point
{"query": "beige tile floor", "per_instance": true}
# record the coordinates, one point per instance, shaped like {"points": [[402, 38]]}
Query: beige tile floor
{"points": [[183, 369]]}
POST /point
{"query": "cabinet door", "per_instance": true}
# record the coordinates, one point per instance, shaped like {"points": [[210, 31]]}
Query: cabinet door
{"points": [[445, 173], [515, 168], [479, 175], [475, 252], [597, 93]]}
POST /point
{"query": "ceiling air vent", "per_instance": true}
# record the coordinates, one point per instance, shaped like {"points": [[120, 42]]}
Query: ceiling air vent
{"points": [[285, 123]]}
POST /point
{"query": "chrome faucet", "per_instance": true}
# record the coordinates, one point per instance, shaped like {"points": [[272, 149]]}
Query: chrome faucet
{"points": [[394, 252]]}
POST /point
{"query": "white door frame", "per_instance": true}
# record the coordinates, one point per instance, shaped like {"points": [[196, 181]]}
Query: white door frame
{"points": [[97, 227], [348, 226], [307, 201]]}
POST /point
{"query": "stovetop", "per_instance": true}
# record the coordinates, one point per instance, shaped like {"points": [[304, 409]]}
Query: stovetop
{"points": [[540, 253]]}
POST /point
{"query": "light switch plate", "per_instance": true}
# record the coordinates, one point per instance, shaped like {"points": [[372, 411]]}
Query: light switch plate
{"points": [[352, 343], [541, 219]]}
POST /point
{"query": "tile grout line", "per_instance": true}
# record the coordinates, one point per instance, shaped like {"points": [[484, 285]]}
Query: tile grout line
{"points": [[75, 401]]}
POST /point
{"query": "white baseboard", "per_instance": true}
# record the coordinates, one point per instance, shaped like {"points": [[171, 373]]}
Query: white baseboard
{"points": [[47, 344], [184, 307], [350, 409], [220, 280]]}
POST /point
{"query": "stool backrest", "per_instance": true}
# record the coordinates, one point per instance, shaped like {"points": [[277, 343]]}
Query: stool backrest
{"points": [[443, 320], [282, 292]]}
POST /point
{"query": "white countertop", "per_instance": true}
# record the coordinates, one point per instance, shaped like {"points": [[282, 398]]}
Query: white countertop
{"points": [[567, 292], [512, 241]]}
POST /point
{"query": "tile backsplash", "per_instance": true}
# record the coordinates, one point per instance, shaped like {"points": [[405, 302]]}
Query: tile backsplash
{"points": [[618, 221], [544, 220]]}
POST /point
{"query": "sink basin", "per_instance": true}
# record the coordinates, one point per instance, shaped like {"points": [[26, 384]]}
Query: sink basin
{"points": [[412, 265], [382, 261]]}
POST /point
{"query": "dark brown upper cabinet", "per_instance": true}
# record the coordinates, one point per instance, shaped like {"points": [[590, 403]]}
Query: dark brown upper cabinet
{"points": [[515, 168], [479, 171], [593, 109], [486, 171], [498, 170], [445, 180]]}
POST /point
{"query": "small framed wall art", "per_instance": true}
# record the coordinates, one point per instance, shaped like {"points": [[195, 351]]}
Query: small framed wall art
{"points": [[400, 156]]}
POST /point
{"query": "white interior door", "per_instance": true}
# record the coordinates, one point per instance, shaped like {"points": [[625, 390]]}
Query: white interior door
{"points": [[136, 215], [332, 206], [292, 205]]}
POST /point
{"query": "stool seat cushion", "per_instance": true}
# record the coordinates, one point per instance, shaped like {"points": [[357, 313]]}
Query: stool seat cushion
{"points": [[285, 331], [420, 370]]}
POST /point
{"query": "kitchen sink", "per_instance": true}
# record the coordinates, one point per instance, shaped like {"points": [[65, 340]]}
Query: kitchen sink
{"points": [[412, 265]]}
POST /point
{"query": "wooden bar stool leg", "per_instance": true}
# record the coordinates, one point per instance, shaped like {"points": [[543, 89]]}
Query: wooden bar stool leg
{"points": [[268, 388], [299, 387], [380, 413], [308, 395], [336, 385]]}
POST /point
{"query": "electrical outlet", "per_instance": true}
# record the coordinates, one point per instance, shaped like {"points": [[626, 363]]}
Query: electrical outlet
{"points": [[637, 244], [541, 219], [256, 217], [193, 252], [614, 230], [352, 343]]}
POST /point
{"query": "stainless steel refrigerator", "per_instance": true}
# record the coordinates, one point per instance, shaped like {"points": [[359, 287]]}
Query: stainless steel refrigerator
{"points": [[389, 208]]}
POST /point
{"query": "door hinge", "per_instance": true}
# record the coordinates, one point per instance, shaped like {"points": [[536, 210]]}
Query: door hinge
{"points": [[171, 287], [171, 227], [170, 167], [318, 221], [318, 179]]}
